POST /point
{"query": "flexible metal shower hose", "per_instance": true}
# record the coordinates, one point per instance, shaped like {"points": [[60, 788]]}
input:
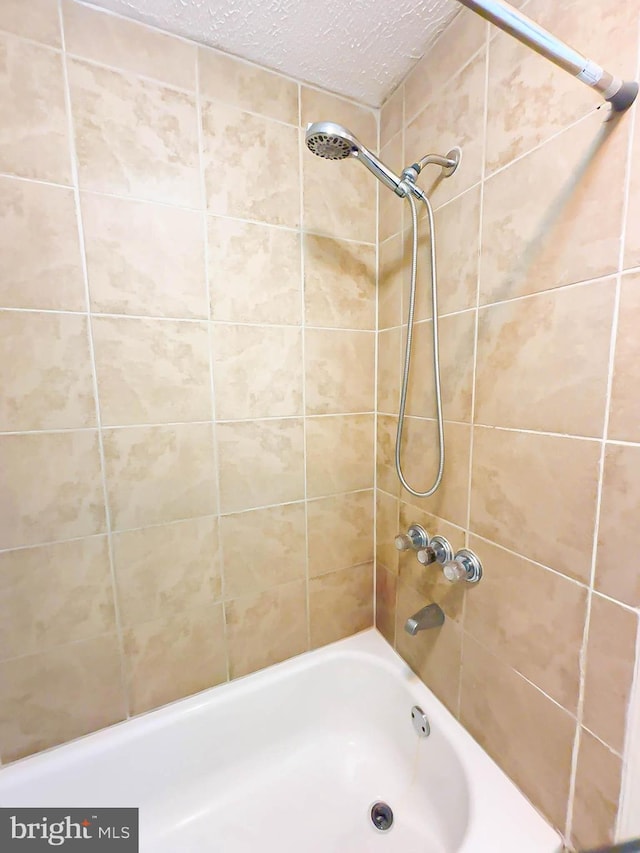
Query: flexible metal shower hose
{"points": [[436, 350]]}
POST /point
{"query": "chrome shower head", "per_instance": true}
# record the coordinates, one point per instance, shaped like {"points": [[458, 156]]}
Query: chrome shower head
{"points": [[334, 142]]}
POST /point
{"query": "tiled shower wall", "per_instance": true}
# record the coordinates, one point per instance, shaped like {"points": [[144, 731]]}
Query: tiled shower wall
{"points": [[539, 259], [186, 457]]}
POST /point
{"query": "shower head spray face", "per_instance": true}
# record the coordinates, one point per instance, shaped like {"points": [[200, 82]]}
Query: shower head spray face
{"points": [[333, 142]]}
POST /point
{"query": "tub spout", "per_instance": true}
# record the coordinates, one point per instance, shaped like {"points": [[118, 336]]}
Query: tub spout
{"points": [[430, 616]]}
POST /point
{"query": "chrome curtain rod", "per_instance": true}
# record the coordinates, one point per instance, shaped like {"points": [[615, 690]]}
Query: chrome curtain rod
{"points": [[620, 93]]}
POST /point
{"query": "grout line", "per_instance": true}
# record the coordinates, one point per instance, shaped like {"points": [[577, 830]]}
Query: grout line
{"points": [[94, 372], [211, 345]]}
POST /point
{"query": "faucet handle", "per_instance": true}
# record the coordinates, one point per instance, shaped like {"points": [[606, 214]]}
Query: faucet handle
{"points": [[464, 567], [439, 550], [414, 539]]}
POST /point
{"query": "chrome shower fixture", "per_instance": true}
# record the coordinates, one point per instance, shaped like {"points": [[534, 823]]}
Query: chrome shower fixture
{"points": [[332, 141]]}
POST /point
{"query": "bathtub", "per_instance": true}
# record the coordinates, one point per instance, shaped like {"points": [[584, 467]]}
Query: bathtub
{"points": [[292, 759]]}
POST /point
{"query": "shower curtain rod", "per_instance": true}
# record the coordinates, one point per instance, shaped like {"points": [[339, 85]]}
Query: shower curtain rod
{"points": [[620, 93]]}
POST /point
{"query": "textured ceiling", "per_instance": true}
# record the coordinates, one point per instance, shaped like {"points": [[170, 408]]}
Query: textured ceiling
{"points": [[358, 48]]}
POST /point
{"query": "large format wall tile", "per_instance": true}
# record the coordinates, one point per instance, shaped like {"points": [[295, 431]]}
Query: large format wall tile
{"points": [[543, 362], [38, 20], [260, 462], [257, 371], [152, 371], [125, 44], [52, 487], [254, 272], [59, 694], [259, 160], [134, 137], [339, 454], [280, 557], [144, 258], [54, 387], [624, 416], [598, 781], [340, 604], [54, 594], [339, 372], [529, 735], [174, 656], [249, 87], [161, 571], [340, 532], [34, 142], [632, 238], [339, 198], [37, 215], [157, 474], [536, 494], [554, 217], [277, 621]]}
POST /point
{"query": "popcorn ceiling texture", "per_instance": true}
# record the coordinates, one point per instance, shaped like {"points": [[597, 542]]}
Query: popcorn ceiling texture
{"points": [[360, 49]]}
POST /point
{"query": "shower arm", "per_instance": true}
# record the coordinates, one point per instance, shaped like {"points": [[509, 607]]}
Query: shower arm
{"points": [[620, 94]]}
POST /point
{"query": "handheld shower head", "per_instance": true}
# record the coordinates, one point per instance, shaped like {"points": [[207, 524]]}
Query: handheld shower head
{"points": [[334, 142]]}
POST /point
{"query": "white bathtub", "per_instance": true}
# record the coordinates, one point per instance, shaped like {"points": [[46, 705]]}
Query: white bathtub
{"points": [[291, 759]]}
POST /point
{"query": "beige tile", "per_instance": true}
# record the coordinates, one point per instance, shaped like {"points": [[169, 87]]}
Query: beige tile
{"points": [[36, 20], [51, 487], [58, 695], [420, 465], [323, 106], [175, 656], [609, 675], [543, 362], [429, 581], [386, 477], [387, 528], [536, 494], [339, 454], [390, 282], [392, 115], [50, 277], [144, 258], [339, 198], [249, 87], [34, 142], [263, 548], [257, 286], [278, 620], [464, 36], [165, 570], [434, 655], [158, 474], [624, 416], [618, 533], [54, 594], [112, 40], [632, 238], [260, 462], [339, 283], [391, 208], [555, 216], [257, 371], [457, 349], [439, 127], [340, 371], [386, 584], [340, 530], [457, 254], [531, 618], [390, 354], [340, 604], [527, 734], [595, 806], [134, 137], [53, 388], [520, 112], [258, 159], [152, 371]]}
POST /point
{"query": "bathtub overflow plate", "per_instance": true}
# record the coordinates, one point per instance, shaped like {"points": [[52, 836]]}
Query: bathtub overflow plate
{"points": [[381, 816], [420, 722]]}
